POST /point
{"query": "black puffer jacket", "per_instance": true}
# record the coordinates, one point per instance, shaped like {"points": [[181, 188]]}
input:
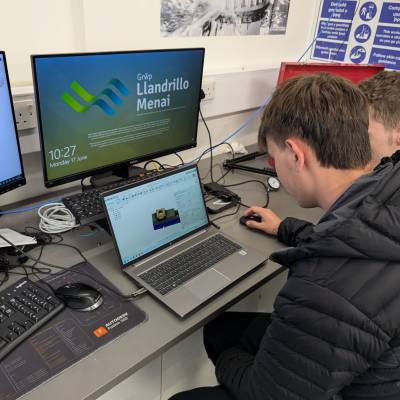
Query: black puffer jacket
{"points": [[335, 332]]}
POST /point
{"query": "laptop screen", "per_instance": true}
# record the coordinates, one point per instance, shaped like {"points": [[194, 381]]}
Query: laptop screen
{"points": [[149, 216]]}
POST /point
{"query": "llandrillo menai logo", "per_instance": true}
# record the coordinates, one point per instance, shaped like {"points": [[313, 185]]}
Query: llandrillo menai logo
{"points": [[113, 92]]}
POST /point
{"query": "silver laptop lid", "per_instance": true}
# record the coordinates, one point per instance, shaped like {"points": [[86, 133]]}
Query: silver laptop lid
{"points": [[148, 216]]}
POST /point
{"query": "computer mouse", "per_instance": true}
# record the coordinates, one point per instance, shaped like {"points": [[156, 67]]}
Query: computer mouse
{"points": [[79, 296], [253, 217]]}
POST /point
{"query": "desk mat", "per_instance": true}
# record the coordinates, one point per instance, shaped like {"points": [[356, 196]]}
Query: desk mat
{"points": [[68, 337]]}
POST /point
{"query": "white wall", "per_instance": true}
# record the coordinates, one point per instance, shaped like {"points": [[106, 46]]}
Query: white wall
{"points": [[138, 27], [49, 26]]}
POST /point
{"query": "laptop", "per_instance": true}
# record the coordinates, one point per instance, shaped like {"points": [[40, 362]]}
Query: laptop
{"points": [[167, 244]]}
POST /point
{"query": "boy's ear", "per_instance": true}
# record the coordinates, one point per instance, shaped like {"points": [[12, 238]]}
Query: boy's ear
{"points": [[296, 153]]}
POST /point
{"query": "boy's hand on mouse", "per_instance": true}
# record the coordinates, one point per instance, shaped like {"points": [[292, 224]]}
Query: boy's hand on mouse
{"points": [[270, 221]]}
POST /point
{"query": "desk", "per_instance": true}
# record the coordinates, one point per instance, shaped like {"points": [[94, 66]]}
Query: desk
{"points": [[95, 374]]}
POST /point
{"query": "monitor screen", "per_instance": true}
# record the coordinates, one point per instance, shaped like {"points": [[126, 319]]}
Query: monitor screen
{"points": [[11, 169], [148, 216], [100, 111]]}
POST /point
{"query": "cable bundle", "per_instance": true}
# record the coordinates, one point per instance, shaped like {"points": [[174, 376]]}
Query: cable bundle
{"points": [[56, 218]]}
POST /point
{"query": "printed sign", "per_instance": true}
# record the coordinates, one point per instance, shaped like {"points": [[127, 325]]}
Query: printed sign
{"points": [[359, 32]]}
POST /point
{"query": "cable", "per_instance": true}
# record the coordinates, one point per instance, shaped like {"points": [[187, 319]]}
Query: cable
{"points": [[250, 181], [37, 260], [179, 156], [211, 147], [153, 161], [245, 123], [22, 210], [56, 218], [230, 214]]}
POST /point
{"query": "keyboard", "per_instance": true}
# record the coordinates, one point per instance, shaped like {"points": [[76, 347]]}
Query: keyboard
{"points": [[87, 206], [24, 308], [174, 272]]}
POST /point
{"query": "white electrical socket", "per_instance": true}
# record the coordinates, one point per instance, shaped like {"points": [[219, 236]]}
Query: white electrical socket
{"points": [[25, 114], [208, 87]]}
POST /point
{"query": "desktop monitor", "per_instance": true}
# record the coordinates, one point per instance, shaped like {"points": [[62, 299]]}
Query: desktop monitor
{"points": [[100, 112], [11, 169]]}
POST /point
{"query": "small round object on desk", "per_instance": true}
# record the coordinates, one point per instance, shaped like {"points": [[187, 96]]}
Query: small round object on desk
{"points": [[273, 183]]}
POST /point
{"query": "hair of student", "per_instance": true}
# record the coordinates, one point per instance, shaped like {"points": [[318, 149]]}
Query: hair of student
{"points": [[383, 95], [327, 112]]}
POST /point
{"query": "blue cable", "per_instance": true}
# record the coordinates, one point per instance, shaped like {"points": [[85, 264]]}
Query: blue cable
{"points": [[21, 210]]}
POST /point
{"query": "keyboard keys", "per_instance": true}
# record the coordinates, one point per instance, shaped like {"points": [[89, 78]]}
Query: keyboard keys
{"points": [[24, 308], [174, 272], [87, 206]]}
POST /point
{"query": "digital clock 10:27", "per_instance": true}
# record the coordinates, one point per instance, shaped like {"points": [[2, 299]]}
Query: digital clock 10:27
{"points": [[63, 152]]}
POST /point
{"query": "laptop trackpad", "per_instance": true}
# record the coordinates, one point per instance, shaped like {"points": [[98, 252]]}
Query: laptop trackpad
{"points": [[207, 284]]}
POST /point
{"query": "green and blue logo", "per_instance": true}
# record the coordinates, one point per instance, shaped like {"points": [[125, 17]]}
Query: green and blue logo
{"points": [[109, 93]]}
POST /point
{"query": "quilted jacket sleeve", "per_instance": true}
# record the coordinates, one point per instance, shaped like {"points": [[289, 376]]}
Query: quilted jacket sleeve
{"points": [[317, 344], [291, 230]]}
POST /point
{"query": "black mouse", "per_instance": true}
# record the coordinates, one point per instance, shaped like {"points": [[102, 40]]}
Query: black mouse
{"points": [[79, 296], [253, 217]]}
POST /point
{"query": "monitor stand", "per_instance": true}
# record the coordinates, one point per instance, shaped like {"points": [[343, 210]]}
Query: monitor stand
{"points": [[119, 174]]}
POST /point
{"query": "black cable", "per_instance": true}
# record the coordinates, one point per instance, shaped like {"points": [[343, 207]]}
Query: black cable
{"points": [[230, 214], [223, 175], [42, 237], [233, 151], [211, 146], [153, 161], [178, 155], [244, 205], [250, 181], [125, 297]]}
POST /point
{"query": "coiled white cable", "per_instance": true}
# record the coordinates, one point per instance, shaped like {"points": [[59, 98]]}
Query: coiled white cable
{"points": [[56, 218]]}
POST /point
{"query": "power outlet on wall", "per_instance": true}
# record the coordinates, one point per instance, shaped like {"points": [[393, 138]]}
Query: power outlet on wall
{"points": [[208, 87], [25, 115]]}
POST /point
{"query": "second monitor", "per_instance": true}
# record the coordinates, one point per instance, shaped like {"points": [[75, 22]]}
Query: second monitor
{"points": [[102, 111]]}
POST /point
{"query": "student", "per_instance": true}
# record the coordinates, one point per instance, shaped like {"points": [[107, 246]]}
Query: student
{"points": [[383, 95], [335, 331]]}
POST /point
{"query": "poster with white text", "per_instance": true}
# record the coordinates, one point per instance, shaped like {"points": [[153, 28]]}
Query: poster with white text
{"points": [[359, 32]]}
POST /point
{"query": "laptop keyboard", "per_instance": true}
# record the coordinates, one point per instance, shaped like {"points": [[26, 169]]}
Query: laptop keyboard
{"points": [[179, 269]]}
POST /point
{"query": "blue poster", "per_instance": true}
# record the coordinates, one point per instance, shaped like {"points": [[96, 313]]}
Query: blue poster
{"points": [[330, 51], [390, 58], [334, 30], [388, 36], [334, 9], [361, 32], [390, 13]]}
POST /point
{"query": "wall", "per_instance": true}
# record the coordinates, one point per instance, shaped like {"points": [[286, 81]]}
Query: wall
{"points": [[48, 26]]}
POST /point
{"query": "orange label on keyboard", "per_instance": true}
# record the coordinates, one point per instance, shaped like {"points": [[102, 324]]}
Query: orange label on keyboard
{"points": [[99, 332]]}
